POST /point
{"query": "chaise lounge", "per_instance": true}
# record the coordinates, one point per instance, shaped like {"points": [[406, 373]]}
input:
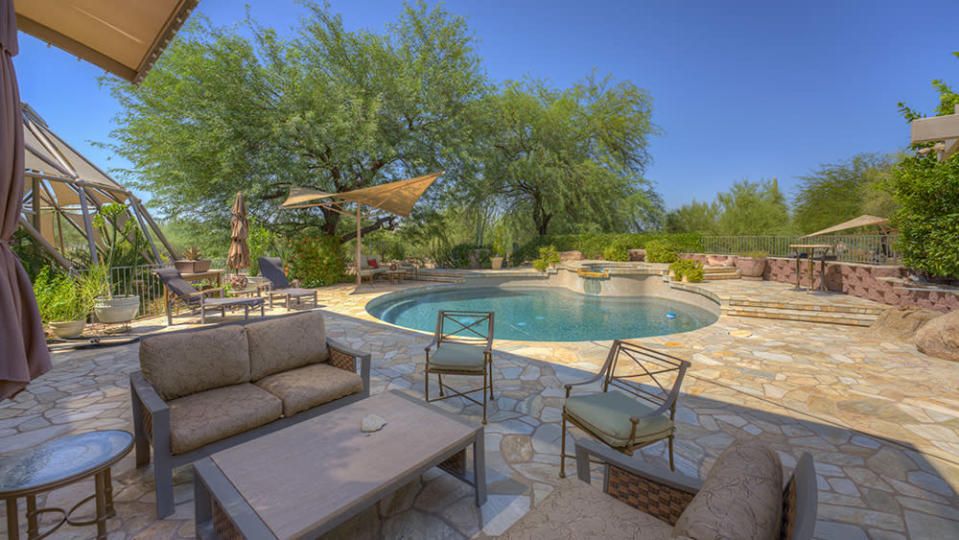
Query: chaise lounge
{"points": [[200, 301], [201, 391], [272, 270]]}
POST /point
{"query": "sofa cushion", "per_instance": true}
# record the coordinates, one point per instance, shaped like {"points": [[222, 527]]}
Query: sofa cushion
{"points": [[285, 343], [740, 498], [458, 357], [200, 419], [607, 415], [306, 387], [182, 363], [576, 509]]}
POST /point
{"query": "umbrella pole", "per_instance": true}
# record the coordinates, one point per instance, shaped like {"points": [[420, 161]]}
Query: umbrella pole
{"points": [[357, 265]]}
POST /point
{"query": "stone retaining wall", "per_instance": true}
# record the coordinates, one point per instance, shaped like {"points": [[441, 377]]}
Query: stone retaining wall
{"points": [[860, 280]]}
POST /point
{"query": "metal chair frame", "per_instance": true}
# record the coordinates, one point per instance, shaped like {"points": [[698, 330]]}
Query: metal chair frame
{"points": [[477, 338], [664, 400]]}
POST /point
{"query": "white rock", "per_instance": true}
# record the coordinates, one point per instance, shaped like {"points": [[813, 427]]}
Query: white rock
{"points": [[372, 423]]}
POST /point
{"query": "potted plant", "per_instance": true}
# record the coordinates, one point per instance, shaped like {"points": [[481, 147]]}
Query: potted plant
{"points": [[192, 263], [496, 261], [752, 265], [108, 307], [64, 301]]}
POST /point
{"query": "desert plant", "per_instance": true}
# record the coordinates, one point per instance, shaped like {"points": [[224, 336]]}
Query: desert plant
{"points": [[547, 256], [192, 253], [660, 251], [121, 237], [60, 297]]}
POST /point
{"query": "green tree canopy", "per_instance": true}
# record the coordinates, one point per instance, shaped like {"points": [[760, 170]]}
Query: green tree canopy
{"points": [[332, 109], [841, 191], [574, 156], [748, 208], [695, 217]]}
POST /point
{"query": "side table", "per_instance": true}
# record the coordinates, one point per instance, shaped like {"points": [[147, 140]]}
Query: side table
{"points": [[59, 463]]}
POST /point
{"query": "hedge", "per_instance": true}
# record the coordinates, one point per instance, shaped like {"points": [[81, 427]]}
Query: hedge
{"points": [[592, 245]]}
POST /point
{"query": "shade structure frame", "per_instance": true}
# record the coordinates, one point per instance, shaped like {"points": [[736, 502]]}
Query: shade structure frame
{"points": [[377, 198]]}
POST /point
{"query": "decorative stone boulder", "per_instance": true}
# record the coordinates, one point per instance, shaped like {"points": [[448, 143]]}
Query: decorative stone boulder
{"points": [[637, 254], [571, 256], [902, 323], [940, 337]]}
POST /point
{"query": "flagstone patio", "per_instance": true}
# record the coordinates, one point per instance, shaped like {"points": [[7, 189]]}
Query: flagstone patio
{"points": [[880, 419]]}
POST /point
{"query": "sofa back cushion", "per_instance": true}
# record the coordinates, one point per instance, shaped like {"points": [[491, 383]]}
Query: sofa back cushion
{"points": [[182, 363], [741, 497], [286, 343]]}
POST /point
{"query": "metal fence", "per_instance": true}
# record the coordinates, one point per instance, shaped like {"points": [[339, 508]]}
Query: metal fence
{"points": [[141, 281], [854, 248]]}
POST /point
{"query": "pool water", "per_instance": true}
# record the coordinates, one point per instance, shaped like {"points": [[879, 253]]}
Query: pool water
{"points": [[540, 314]]}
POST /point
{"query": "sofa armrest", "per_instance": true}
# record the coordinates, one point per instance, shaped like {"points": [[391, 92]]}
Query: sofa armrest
{"points": [[154, 413], [661, 493], [343, 357]]}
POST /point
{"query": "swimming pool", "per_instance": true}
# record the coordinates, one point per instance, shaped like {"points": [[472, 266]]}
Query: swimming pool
{"points": [[546, 314]]}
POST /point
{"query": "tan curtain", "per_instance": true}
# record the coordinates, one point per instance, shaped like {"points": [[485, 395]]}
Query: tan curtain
{"points": [[23, 348]]}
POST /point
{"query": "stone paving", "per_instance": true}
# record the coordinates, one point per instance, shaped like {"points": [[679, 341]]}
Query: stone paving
{"points": [[880, 419]]}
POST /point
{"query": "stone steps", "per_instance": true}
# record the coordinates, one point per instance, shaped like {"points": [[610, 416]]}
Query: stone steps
{"points": [[802, 314], [740, 302]]}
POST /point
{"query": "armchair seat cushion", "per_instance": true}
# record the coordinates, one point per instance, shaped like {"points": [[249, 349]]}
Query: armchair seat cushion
{"points": [[200, 419], [306, 387], [576, 509], [458, 357], [607, 415]]}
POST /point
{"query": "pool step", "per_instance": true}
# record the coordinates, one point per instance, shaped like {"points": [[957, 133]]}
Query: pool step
{"points": [[743, 303]]}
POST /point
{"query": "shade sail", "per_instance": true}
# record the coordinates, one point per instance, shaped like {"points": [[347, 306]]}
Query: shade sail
{"points": [[861, 221], [395, 197], [124, 37]]}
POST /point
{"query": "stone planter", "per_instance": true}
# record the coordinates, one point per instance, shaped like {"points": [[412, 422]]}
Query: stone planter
{"points": [[496, 263], [715, 260], [116, 309], [752, 268], [731, 261], [67, 329]]}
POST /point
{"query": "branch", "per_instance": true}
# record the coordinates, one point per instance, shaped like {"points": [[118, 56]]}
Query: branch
{"points": [[384, 222]]}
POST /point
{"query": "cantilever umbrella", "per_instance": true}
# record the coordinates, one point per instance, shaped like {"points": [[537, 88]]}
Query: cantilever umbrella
{"points": [[395, 197]]}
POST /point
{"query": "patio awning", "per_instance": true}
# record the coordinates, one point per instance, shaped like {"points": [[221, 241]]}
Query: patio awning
{"points": [[861, 221], [395, 197], [124, 37]]}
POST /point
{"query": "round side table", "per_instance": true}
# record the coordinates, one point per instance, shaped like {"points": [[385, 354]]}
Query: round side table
{"points": [[59, 463]]}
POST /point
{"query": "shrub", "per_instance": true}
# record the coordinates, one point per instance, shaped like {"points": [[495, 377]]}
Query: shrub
{"points": [[693, 270], [316, 260], [593, 245], [660, 251], [617, 250], [928, 216], [59, 297], [547, 256], [757, 254]]}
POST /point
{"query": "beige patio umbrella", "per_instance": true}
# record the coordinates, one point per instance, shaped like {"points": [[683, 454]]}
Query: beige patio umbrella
{"points": [[861, 221], [239, 256], [395, 198]]}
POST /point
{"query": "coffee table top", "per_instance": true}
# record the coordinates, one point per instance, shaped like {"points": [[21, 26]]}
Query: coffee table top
{"points": [[62, 461], [300, 477]]}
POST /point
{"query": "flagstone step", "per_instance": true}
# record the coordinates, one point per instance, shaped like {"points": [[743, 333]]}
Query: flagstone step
{"points": [[805, 315], [836, 307], [713, 273]]}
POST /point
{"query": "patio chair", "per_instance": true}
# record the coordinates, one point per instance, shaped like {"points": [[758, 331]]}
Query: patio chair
{"points": [[178, 289], [466, 350], [742, 496], [272, 270], [620, 419]]}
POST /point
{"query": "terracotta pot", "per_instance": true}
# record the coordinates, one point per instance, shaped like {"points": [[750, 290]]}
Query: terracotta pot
{"points": [[496, 262], [715, 260], [184, 266], [67, 329], [201, 266], [752, 268]]}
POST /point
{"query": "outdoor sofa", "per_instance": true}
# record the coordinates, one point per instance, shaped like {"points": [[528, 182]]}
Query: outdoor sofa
{"points": [[742, 497], [201, 391]]}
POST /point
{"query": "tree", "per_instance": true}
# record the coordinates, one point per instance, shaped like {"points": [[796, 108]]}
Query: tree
{"points": [[841, 191], [574, 156], [695, 217], [753, 208], [331, 109]]}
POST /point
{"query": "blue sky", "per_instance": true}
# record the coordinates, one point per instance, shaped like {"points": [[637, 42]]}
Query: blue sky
{"points": [[741, 89]]}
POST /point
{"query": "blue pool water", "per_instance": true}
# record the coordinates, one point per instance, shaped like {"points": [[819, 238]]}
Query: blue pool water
{"points": [[539, 314]]}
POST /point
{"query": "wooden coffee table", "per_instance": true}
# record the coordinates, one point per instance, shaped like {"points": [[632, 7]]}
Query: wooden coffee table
{"points": [[305, 480]]}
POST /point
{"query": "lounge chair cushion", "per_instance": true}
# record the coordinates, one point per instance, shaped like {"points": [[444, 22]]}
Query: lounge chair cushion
{"points": [[182, 363], [607, 415], [286, 343], [740, 498], [306, 387], [200, 419], [293, 291], [458, 357], [576, 509]]}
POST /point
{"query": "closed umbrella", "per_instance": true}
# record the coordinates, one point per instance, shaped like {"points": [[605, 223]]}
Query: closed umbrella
{"points": [[239, 255], [23, 348]]}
